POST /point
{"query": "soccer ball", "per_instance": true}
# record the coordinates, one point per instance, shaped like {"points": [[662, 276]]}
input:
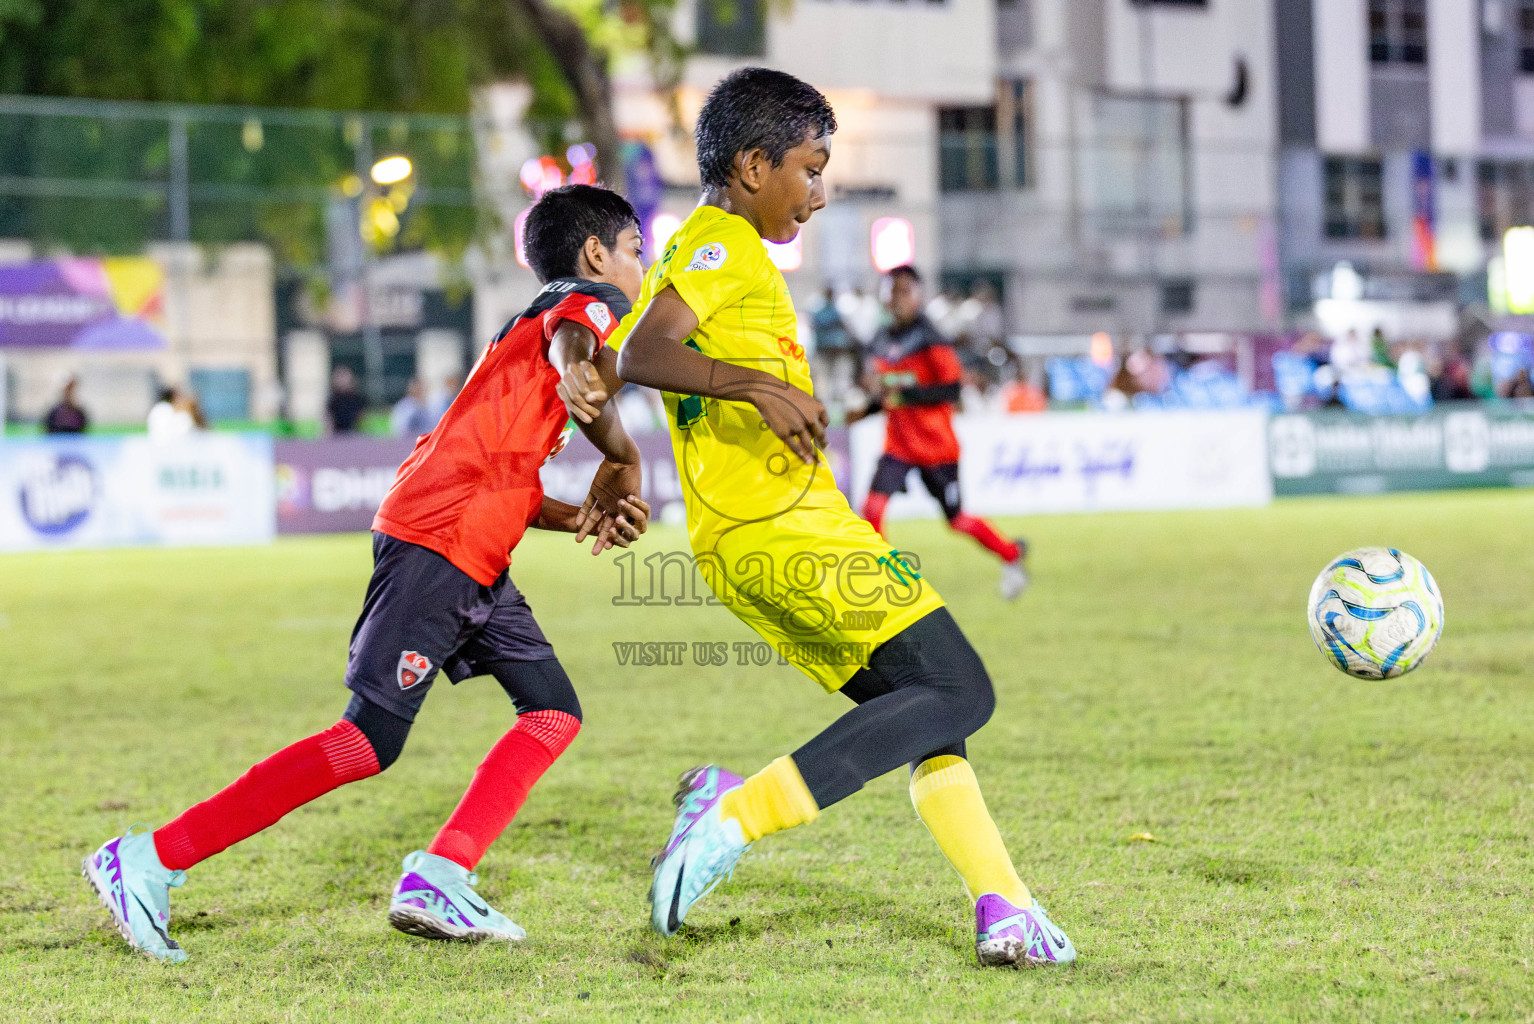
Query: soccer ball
{"points": [[1375, 612]]}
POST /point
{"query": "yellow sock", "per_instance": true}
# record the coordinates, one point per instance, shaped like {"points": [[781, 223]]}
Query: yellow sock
{"points": [[773, 799], [947, 797]]}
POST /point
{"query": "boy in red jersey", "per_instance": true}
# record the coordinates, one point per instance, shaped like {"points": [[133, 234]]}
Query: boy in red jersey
{"points": [[440, 598], [918, 375]]}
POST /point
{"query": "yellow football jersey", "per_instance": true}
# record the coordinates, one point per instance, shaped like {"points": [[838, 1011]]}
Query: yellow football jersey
{"points": [[733, 469], [773, 538]]}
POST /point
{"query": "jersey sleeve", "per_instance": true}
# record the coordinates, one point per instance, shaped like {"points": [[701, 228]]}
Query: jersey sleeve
{"points": [[585, 310], [713, 270]]}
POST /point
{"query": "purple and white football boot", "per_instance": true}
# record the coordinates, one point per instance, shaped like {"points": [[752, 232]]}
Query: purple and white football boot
{"points": [[134, 886], [702, 850], [435, 899], [1008, 937]]}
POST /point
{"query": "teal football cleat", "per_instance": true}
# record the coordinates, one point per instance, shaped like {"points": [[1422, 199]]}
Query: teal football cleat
{"points": [[435, 899], [1008, 937], [703, 849], [135, 888]]}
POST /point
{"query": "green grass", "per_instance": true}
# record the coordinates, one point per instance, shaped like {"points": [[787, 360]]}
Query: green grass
{"points": [[1325, 849]]}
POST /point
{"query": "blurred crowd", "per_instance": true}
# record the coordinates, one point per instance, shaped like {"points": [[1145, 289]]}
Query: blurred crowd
{"points": [[1371, 374], [1376, 374]]}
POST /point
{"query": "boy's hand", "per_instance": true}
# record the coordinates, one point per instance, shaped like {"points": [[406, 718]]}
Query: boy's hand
{"points": [[613, 482], [796, 417], [582, 391], [614, 531]]}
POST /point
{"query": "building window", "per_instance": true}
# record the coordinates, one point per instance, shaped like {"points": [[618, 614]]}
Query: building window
{"points": [[1177, 297], [732, 28], [1506, 197], [986, 148], [1355, 198], [1526, 37], [1136, 168], [1398, 31], [967, 147]]}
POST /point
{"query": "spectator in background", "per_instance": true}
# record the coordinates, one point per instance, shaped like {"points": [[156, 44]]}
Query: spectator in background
{"points": [[836, 355], [945, 313], [1020, 395], [411, 417], [176, 414], [1121, 389], [1520, 386], [1412, 373], [345, 405], [1349, 352], [451, 385], [67, 416], [861, 314], [1451, 382], [983, 335], [1379, 349]]}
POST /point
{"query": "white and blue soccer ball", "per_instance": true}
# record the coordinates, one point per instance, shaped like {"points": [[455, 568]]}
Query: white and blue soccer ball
{"points": [[1375, 612]]}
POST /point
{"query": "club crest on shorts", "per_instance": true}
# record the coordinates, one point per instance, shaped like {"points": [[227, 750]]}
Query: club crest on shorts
{"points": [[412, 668], [708, 257], [599, 314]]}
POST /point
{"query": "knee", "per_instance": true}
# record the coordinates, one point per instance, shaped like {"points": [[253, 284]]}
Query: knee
{"points": [[985, 703], [385, 731], [973, 698], [538, 686]]}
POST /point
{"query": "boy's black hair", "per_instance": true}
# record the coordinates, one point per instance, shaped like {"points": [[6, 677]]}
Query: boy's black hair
{"points": [[906, 270], [559, 224], [757, 108]]}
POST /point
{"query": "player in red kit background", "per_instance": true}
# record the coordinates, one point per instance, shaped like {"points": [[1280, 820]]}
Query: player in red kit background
{"points": [[916, 376], [441, 601]]}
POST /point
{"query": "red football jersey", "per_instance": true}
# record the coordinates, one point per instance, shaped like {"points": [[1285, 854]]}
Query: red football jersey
{"points": [[470, 489], [918, 357]]}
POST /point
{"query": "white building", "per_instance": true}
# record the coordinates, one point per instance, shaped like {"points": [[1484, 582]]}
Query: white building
{"points": [[1408, 150], [1069, 151]]}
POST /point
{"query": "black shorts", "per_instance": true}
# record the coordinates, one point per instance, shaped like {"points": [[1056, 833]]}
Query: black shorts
{"points": [[942, 481], [422, 615]]}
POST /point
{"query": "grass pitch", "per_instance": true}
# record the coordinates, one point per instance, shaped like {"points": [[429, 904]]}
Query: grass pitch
{"points": [[1324, 849]]}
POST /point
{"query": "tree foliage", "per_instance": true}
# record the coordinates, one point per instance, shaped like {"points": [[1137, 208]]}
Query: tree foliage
{"points": [[406, 56]]}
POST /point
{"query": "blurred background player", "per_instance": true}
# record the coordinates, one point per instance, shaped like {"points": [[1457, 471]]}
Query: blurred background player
{"points": [[67, 416], [915, 378], [441, 599], [714, 329]]}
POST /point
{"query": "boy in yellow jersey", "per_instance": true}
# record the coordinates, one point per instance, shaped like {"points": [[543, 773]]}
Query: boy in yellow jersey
{"points": [[714, 331]]}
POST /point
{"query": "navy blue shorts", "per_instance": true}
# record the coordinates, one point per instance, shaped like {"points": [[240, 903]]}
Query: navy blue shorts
{"points": [[942, 481], [424, 615]]}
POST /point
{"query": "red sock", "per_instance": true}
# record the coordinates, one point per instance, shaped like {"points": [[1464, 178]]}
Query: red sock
{"points": [[981, 530], [501, 783], [873, 510], [289, 778]]}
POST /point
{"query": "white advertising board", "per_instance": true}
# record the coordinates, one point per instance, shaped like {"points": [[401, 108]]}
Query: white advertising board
{"points": [[1091, 462], [102, 491]]}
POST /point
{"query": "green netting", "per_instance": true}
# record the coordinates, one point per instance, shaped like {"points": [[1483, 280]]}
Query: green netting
{"points": [[97, 177]]}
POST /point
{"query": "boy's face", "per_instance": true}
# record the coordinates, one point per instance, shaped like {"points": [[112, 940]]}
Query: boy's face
{"points": [[621, 266], [786, 196], [902, 297]]}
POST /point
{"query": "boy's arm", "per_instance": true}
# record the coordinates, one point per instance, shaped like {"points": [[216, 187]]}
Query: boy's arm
{"points": [[563, 517], [655, 355], [945, 387], [619, 475]]}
